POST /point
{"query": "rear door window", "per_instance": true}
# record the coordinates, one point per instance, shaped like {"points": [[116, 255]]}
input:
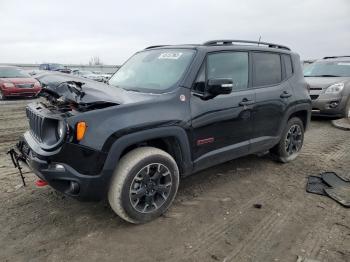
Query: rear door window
{"points": [[267, 69]]}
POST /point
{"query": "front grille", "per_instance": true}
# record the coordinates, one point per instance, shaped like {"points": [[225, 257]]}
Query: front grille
{"points": [[35, 123], [25, 85], [314, 97]]}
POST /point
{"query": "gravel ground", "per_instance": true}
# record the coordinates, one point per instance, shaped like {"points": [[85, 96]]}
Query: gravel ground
{"points": [[213, 217]]}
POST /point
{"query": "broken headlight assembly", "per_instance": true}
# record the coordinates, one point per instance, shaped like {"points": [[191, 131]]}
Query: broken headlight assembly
{"points": [[61, 129]]}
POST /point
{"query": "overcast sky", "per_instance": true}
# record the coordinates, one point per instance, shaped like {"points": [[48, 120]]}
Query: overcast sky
{"points": [[71, 31]]}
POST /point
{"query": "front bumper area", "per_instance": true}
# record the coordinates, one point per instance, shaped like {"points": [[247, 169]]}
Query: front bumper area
{"points": [[329, 105], [17, 92], [61, 176]]}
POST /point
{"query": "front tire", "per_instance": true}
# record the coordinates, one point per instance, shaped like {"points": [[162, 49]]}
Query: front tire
{"points": [[144, 185], [291, 142]]}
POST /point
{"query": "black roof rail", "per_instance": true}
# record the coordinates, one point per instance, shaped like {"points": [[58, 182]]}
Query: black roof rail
{"points": [[339, 56], [232, 42], [155, 46]]}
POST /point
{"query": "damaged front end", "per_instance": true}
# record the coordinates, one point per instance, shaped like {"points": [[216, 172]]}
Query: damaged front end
{"points": [[50, 147], [66, 93]]}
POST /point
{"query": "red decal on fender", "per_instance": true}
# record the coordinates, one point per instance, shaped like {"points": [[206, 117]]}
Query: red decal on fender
{"points": [[205, 141]]}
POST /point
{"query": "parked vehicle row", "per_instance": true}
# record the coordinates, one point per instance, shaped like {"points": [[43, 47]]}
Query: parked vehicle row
{"points": [[15, 81], [55, 67], [96, 76], [92, 75]]}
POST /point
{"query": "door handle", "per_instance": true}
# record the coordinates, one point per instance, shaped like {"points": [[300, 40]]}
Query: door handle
{"points": [[285, 94], [246, 102]]}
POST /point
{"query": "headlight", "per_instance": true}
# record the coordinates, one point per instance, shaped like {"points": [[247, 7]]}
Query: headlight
{"points": [[335, 88], [8, 85], [60, 129]]}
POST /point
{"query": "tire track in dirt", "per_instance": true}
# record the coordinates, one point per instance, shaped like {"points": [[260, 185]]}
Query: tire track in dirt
{"points": [[263, 231], [317, 234], [216, 231]]}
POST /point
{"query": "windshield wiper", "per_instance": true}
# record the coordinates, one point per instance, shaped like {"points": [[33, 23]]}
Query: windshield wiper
{"points": [[321, 76], [127, 89], [131, 89]]}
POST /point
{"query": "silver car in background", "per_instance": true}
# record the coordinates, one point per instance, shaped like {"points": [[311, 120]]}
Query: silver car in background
{"points": [[329, 81]]}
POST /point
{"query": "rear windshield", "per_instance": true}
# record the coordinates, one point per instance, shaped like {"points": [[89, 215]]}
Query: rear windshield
{"points": [[153, 70], [328, 69], [8, 72]]}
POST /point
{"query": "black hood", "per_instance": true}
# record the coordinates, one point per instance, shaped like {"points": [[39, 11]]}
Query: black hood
{"points": [[67, 88]]}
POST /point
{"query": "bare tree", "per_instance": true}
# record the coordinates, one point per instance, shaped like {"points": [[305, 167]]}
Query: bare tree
{"points": [[95, 60]]}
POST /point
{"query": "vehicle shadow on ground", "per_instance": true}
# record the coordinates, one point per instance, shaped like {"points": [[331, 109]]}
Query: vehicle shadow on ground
{"points": [[53, 205]]}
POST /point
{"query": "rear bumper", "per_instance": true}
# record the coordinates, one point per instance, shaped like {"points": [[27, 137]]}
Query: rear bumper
{"points": [[62, 176], [329, 105]]}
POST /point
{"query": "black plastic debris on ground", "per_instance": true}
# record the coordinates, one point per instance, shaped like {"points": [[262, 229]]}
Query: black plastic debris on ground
{"points": [[315, 185], [258, 206], [331, 185]]}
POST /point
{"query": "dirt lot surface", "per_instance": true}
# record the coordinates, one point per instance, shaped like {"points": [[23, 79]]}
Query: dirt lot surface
{"points": [[212, 219]]}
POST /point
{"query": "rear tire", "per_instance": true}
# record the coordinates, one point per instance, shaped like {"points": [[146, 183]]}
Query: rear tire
{"points": [[291, 141], [144, 185]]}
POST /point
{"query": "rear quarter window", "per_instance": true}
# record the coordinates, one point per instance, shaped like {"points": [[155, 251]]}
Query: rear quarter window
{"points": [[287, 60], [267, 69]]}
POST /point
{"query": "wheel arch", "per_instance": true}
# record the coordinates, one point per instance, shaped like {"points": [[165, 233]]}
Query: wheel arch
{"points": [[302, 115], [302, 111], [172, 140]]}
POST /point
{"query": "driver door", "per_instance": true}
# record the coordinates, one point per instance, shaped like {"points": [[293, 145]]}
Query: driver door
{"points": [[222, 126]]}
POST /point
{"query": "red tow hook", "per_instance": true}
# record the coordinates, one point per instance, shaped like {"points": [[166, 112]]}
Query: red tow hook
{"points": [[40, 183]]}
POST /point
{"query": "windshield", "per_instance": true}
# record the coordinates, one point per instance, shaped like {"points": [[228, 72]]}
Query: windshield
{"points": [[330, 69], [153, 70], [9, 72]]}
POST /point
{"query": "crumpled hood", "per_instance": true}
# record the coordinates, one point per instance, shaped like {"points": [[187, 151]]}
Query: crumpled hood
{"points": [[90, 92], [324, 82]]}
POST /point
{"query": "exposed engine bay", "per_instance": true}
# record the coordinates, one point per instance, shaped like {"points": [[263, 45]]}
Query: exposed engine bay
{"points": [[66, 93]]}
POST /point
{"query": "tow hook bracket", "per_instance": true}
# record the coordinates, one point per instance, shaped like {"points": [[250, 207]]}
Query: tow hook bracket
{"points": [[15, 157]]}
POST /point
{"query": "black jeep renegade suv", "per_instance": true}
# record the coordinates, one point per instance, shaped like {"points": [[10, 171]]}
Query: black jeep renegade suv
{"points": [[169, 111]]}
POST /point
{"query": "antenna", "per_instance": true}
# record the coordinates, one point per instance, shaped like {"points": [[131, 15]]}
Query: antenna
{"points": [[259, 40]]}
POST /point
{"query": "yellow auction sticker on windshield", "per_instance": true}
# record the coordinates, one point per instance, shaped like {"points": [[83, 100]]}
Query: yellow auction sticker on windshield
{"points": [[170, 55]]}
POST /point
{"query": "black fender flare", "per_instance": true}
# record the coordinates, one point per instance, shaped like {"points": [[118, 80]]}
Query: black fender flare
{"points": [[297, 108], [160, 132]]}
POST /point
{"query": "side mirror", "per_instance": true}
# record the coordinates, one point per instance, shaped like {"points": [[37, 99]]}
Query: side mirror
{"points": [[218, 86]]}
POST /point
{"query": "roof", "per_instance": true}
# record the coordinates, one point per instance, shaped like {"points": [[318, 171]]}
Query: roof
{"points": [[246, 44]]}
